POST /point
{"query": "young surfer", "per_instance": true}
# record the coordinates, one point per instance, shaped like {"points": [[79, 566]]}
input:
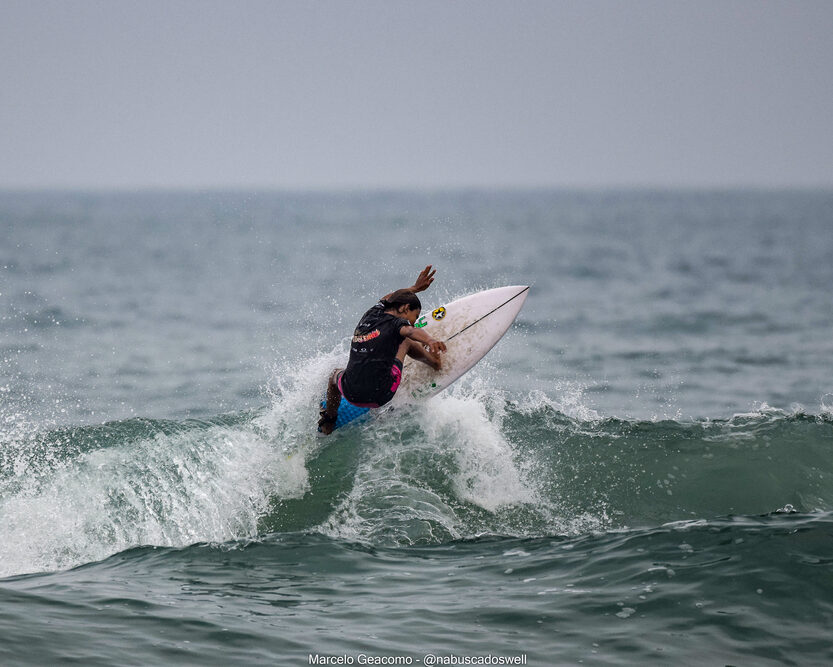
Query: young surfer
{"points": [[384, 337]]}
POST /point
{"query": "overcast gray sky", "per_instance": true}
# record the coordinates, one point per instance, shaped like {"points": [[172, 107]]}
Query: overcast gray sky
{"points": [[415, 94]]}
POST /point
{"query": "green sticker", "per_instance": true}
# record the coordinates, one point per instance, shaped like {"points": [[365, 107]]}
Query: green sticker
{"points": [[420, 322]]}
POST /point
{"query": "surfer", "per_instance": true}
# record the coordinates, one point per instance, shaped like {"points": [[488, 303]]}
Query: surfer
{"points": [[384, 337]]}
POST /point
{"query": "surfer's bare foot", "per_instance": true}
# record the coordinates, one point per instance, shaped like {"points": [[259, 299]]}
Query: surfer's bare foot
{"points": [[326, 424]]}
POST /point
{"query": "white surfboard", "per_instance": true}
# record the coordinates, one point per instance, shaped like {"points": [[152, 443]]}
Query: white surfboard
{"points": [[469, 326]]}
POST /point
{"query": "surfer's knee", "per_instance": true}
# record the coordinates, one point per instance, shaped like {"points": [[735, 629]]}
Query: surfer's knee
{"points": [[333, 381], [333, 392]]}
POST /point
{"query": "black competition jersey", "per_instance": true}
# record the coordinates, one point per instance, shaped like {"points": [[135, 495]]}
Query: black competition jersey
{"points": [[372, 353]]}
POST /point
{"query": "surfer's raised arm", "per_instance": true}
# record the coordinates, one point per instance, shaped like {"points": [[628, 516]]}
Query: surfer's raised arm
{"points": [[423, 282]]}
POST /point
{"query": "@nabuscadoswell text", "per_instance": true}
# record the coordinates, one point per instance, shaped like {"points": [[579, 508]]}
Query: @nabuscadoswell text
{"points": [[428, 659]]}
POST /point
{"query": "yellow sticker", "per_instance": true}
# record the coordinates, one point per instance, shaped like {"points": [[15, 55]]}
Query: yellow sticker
{"points": [[439, 313]]}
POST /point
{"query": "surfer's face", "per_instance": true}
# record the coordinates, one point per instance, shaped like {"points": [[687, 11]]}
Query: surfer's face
{"points": [[411, 314]]}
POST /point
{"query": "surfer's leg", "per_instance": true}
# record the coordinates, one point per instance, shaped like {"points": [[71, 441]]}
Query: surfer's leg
{"points": [[330, 412], [416, 350]]}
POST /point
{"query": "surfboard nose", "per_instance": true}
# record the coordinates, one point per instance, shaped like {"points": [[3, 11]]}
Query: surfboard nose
{"points": [[512, 293]]}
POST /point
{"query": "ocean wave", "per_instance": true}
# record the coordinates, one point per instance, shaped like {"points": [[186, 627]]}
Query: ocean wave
{"points": [[473, 461]]}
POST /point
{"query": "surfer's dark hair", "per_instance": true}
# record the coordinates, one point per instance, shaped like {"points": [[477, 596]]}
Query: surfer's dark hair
{"points": [[402, 297]]}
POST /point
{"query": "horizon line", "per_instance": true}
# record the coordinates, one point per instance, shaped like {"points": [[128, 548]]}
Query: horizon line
{"points": [[412, 189]]}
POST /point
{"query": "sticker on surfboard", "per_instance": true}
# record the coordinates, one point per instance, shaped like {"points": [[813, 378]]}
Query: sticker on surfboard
{"points": [[425, 389]]}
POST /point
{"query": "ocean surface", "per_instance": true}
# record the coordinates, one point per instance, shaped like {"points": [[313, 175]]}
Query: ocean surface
{"points": [[641, 472]]}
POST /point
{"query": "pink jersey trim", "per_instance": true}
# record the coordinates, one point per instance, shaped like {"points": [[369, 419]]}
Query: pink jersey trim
{"points": [[396, 374]]}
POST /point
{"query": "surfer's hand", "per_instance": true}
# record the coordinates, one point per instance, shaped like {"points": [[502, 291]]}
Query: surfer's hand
{"points": [[424, 279], [436, 346], [433, 350]]}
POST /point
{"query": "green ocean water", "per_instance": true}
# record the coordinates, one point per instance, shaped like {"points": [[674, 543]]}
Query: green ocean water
{"points": [[640, 472]]}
